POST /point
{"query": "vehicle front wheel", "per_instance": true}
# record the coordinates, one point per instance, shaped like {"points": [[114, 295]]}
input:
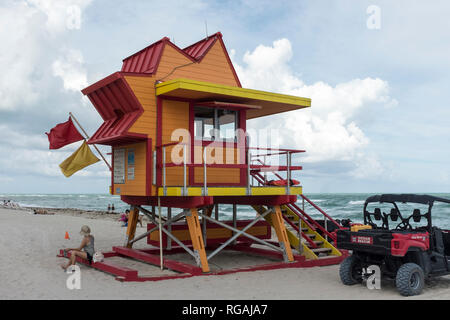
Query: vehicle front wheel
{"points": [[410, 279], [350, 271]]}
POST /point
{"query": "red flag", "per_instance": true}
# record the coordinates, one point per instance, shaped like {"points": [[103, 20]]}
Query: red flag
{"points": [[63, 134]]}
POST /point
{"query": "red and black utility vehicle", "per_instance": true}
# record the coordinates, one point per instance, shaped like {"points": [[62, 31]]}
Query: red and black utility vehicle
{"points": [[398, 237]]}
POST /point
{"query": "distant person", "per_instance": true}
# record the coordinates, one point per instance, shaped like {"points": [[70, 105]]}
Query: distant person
{"points": [[85, 250], [140, 217], [112, 208], [124, 218]]}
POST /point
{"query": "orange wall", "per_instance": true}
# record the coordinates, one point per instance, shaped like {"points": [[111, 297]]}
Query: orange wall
{"points": [[214, 67], [137, 186], [175, 115], [218, 155]]}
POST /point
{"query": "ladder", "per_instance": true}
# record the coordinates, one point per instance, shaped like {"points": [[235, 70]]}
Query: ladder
{"points": [[312, 239]]}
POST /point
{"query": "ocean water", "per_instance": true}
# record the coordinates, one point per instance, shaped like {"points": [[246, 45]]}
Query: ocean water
{"points": [[337, 205]]}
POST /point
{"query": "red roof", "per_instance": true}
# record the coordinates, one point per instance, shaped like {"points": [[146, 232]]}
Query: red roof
{"points": [[116, 102], [119, 108], [200, 48], [146, 60]]}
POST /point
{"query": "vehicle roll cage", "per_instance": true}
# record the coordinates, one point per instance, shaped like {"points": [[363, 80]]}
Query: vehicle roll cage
{"points": [[395, 212]]}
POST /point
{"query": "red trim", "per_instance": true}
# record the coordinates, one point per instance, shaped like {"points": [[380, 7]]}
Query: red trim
{"points": [[101, 83], [126, 274], [229, 61], [173, 202], [148, 168], [155, 260], [135, 74], [159, 107], [256, 200], [192, 134], [106, 266], [242, 145], [200, 201], [112, 171], [225, 105]]}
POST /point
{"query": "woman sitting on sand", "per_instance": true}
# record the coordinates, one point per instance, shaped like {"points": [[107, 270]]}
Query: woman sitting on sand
{"points": [[85, 251]]}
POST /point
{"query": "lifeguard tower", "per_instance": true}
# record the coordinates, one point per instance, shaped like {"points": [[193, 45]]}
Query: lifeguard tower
{"points": [[176, 120]]}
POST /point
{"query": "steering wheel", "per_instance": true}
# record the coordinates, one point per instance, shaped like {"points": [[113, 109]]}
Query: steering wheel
{"points": [[406, 225]]}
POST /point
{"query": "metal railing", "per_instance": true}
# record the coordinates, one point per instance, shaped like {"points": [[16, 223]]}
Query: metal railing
{"points": [[161, 169]]}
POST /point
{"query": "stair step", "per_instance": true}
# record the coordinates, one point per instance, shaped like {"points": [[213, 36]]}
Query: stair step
{"points": [[321, 250], [310, 235], [316, 242]]}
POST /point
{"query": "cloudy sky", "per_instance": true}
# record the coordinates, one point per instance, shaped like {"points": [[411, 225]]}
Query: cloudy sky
{"points": [[379, 120]]}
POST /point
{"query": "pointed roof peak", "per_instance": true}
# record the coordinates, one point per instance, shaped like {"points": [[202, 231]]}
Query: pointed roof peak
{"points": [[198, 49], [147, 60]]}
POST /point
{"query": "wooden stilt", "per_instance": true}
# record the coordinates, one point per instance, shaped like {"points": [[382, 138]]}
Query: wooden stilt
{"points": [[280, 229], [132, 223], [209, 210], [195, 232]]}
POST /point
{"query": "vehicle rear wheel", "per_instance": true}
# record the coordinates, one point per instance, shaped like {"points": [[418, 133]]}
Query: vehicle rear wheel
{"points": [[410, 279], [350, 271]]}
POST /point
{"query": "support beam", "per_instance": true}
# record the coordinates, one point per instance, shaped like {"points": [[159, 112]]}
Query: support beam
{"points": [[216, 211], [132, 223], [234, 218], [195, 232], [238, 233], [169, 227], [280, 229]]}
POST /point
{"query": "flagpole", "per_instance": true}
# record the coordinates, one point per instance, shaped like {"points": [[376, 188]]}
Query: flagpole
{"points": [[87, 137]]}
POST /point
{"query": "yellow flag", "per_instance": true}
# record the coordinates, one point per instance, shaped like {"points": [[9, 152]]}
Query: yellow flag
{"points": [[80, 159]]}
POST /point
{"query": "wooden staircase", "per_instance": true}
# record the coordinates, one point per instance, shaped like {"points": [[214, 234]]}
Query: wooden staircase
{"points": [[316, 240], [314, 245]]}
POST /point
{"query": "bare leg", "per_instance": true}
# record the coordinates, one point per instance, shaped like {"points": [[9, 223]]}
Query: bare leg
{"points": [[73, 256]]}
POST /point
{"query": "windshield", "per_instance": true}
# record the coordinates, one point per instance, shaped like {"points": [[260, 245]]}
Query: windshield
{"points": [[398, 216]]}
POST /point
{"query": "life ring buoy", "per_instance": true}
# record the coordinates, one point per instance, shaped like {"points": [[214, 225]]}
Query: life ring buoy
{"points": [[283, 182]]}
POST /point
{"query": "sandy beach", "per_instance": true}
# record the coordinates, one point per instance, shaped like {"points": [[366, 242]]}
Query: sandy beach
{"points": [[29, 268]]}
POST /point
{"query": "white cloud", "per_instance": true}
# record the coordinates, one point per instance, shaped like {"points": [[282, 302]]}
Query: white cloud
{"points": [[19, 54], [62, 15], [70, 69], [329, 130], [28, 30]]}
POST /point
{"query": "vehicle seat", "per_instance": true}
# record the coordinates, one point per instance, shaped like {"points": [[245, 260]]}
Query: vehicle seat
{"points": [[377, 214], [394, 214], [438, 240], [416, 215], [446, 241]]}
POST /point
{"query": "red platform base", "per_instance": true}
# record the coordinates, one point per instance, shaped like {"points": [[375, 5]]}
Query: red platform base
{"points": [[184, 270]]}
